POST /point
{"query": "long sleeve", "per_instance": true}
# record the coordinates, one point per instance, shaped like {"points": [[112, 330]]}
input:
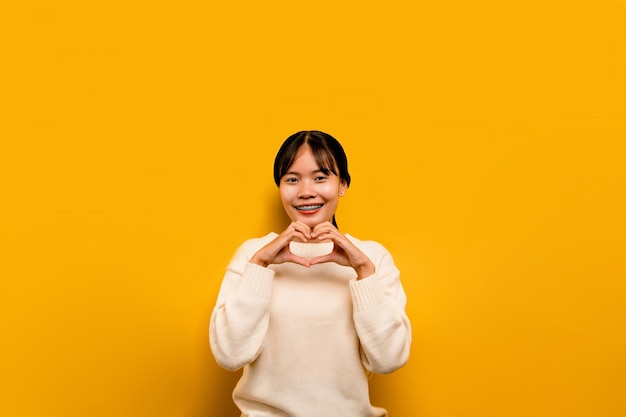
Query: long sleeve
{"points": [[305, 334], [240, 317], [379, 311]]}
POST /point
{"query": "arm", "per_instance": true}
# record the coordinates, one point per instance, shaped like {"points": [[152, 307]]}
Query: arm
{"points": [[379, 303], [240, 317]]}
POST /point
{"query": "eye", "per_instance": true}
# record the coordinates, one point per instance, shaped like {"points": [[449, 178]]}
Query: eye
{"points": [[291, 180], [321, 178]]}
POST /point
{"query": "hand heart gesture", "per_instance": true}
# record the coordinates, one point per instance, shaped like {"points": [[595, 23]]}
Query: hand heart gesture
{"points": [[342, 251]]}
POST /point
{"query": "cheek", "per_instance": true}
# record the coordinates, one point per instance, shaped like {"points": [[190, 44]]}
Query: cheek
{"points": [[286, 195], [330, 192]]}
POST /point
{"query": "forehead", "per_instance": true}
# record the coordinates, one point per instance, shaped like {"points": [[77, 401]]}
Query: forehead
{"points": [[304, 161]]}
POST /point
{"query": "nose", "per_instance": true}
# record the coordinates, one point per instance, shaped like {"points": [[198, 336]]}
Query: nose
{"points": [[307, 190]]}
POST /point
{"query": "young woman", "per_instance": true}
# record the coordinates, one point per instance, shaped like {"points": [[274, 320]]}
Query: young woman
{"points": [[309, 313]]}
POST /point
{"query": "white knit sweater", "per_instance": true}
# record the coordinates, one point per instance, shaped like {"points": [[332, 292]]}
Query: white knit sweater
{"points": [[306, 337]]}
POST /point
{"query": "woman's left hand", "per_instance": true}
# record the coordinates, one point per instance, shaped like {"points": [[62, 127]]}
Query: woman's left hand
{"points": [[344, 252]]}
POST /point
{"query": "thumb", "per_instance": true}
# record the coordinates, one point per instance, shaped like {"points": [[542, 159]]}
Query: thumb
{"points": [[322, 259], [299, 260]]}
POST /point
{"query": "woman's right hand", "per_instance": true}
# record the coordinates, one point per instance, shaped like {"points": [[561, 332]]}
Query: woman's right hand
{"points": [[278, 252]]}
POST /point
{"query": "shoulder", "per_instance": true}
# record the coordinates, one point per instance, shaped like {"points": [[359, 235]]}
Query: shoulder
{"points": [[377, 253], [371, 248], [249, 247]]}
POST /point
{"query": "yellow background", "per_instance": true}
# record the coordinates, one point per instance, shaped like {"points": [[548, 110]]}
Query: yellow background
{"points": [[487, 146]]}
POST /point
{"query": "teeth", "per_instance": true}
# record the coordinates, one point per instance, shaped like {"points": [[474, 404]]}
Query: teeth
{"points": [[313, 207]]}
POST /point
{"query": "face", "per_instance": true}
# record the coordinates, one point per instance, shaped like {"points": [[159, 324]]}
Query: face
{"points": [[309, 195]]}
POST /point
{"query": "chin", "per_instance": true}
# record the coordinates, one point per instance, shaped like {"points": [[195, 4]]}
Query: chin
{"points": [[309, 221], [315, 221]]}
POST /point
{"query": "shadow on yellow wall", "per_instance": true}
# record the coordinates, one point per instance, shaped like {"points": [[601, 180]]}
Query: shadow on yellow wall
{"points": [[486, 143]]}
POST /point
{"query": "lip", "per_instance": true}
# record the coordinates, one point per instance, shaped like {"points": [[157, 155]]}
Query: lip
{"points": [[309, 209]]}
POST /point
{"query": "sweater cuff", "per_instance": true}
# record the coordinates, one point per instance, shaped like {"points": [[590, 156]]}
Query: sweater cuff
{"points": [[257, 280], [366, 292]]}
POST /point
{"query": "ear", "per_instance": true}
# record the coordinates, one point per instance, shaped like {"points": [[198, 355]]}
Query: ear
{"points": [[343, 187]]}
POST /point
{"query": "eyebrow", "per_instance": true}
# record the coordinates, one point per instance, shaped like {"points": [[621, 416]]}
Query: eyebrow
{"points": [[317, 171]]}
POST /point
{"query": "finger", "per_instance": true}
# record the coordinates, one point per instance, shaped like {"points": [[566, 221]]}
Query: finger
{"points": [[299, 260], [322, 259], [298, 235], [326, 232], [344, 251], [304, 226], [294, 232], [332, 235], [323, 227], [301, 228]]}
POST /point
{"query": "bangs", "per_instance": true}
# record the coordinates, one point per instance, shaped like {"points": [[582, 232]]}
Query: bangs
{"points": [[324, 158]]}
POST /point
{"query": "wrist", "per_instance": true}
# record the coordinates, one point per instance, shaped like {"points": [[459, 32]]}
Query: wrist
{"points": [[257, 261], [364, 271]]}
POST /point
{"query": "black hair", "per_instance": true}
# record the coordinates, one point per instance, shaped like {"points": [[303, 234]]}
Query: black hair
{"points": [[327, 151]]}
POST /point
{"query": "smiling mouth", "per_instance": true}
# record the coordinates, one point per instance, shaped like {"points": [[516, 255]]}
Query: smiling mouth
{"points": [[309, 208]]}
